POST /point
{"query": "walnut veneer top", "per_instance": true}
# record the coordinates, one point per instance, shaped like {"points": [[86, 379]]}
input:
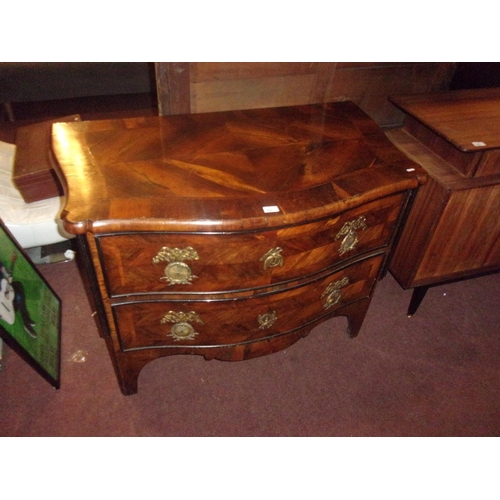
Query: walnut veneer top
{"points": [[225, 171], [468, 119]]}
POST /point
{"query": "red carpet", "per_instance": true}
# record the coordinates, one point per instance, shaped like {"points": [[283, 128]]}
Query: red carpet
{"points": [[436, 374]]}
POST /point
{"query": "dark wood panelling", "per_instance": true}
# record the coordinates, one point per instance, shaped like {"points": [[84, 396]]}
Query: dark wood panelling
{"points": [[229, 86]]}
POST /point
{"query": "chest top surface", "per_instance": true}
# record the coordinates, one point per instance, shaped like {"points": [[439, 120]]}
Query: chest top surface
{"points": [[468, 119], [237, 170]]}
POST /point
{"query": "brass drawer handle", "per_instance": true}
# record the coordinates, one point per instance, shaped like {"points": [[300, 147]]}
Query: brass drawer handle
{"points": [[177, 272], [350, 235], [273, 258], [182, 329], [333, 292], [267, 320]]}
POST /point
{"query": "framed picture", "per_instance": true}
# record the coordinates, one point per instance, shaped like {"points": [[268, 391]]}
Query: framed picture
{"points": [[30, 311]]}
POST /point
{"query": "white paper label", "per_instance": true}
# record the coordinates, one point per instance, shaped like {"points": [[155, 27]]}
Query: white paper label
{"points": [[478, 144], [270, 209]]}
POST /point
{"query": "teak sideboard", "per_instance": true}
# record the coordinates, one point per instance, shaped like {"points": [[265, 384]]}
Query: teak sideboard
{"points": [[453, 230], [233, 234]]}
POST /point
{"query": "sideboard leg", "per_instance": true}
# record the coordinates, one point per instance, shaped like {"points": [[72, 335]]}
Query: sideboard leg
{"points": [[416, 299]]}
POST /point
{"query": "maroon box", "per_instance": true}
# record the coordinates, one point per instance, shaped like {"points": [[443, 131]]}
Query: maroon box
{"points": [[33, 174]]}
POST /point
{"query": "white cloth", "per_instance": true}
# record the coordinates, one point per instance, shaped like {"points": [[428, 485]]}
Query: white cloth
{"points": [[32, 224]]}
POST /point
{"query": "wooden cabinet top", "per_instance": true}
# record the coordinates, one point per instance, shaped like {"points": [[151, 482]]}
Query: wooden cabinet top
{"points": [[468, 119], [236, 170]]}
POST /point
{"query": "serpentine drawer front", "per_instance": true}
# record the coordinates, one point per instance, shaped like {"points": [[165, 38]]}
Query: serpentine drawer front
{"points": [[228, 322], [230, 235], [145, 263]]}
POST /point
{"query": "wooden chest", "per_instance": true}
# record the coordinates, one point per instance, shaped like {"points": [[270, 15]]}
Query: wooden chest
{"points": [[230, 235], [453, 231]]}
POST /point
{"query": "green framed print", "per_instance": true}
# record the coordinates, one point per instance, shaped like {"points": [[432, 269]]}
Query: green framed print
{"points": [[30, 311]]}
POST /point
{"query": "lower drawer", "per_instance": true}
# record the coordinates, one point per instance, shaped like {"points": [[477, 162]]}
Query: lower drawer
{"points": [[147, 324]]}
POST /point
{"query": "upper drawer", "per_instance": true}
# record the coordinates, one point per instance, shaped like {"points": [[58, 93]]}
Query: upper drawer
{"points": [[225, 322], [196, 263]]}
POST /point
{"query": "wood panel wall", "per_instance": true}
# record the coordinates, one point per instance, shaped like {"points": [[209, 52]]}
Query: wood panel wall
{"points": [[204, 87]]}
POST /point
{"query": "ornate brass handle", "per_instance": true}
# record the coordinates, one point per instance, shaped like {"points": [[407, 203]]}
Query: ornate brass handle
{"points": [[333, 292], [177, 272], [182, 329], [273, 258], [267, 320], [349, 234]]}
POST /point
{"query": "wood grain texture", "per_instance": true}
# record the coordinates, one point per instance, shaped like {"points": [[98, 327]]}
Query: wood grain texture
{"points": [[461, 117], [418, 230], [33, 174], [453, 231], [128, 365], [230, 259], [229, 322], [251, 85], [465, 237], [211, 196], [217, 170], [464, 163], [172, 88], [461, 127]]}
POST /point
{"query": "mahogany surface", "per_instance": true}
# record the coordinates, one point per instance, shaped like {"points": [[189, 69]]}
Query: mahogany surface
{"points": [[453, 230], [257, 202], [468, 119], [33, 174]]}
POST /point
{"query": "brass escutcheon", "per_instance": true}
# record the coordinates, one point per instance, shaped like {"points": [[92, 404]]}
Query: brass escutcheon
{"points": [[267, 320], [182, 329], [273, 258], [350, 235], [177, 272], [333, 292]]}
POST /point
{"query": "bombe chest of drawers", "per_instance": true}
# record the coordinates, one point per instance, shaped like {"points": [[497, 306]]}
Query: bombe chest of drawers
{"points": [[233, 234]]}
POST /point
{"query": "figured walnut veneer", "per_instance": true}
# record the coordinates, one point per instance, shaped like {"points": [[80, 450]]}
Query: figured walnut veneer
{"points": [[230, 235], [453, 230]]}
